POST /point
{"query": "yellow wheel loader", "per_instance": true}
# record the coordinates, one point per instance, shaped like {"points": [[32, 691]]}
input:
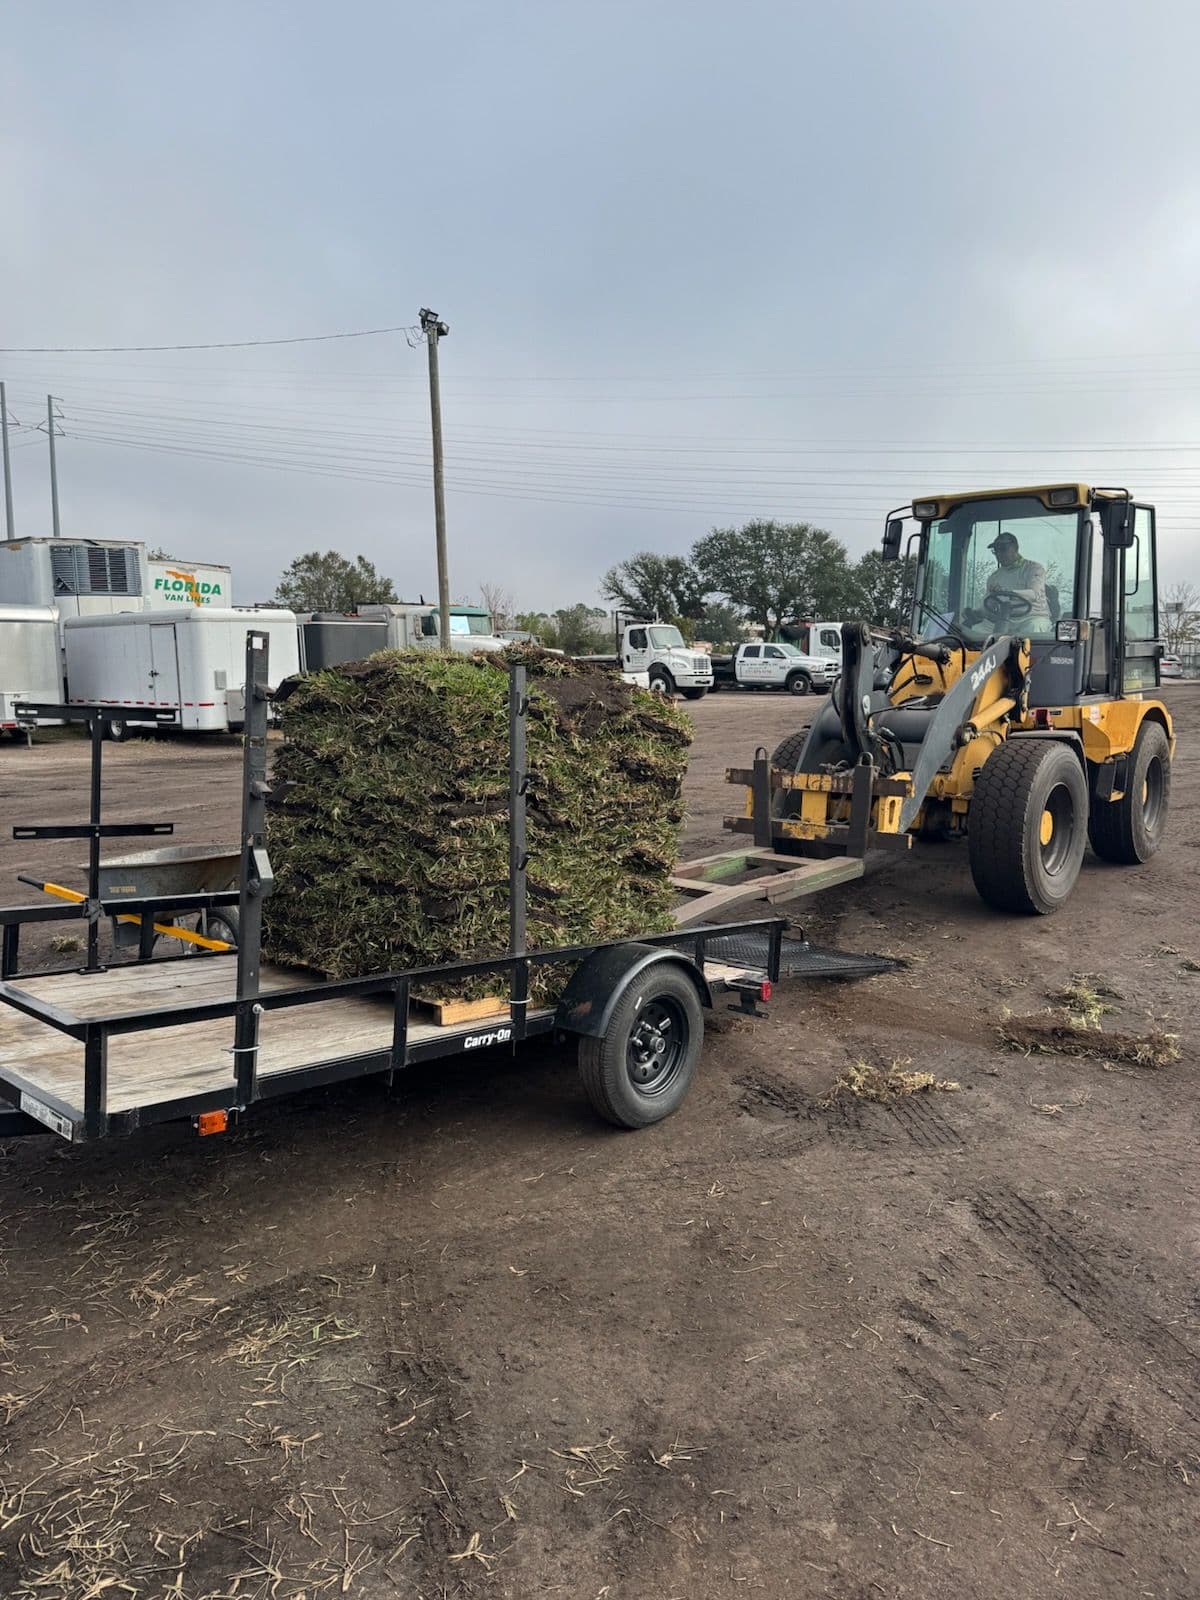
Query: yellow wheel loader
{"points": [[1018, 708]]}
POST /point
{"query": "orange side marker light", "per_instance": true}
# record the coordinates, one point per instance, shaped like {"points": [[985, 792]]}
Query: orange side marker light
{"points": [[212, 1122]]}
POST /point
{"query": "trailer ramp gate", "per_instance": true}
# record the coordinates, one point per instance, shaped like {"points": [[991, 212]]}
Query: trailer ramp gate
{"points": [[798, 958]]}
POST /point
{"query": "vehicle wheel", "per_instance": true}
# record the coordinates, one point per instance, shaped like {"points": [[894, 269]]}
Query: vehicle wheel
{"points": [[661, 681], [787, 753], [640, 1071], [799, 683], [1130, 830], [694, 694], [1027, 826], [222, 925], [118, 730]]}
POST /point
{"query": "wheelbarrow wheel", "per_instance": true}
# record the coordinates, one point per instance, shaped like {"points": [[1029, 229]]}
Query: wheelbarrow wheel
{"points": [[223, 925]]}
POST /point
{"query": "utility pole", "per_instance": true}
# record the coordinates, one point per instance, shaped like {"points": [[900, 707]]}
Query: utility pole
{"points": [[434, 329], [9, 531], [53, 464]]}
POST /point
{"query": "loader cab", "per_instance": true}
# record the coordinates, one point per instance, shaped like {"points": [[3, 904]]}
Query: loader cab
{"points": [[1069, 568]]}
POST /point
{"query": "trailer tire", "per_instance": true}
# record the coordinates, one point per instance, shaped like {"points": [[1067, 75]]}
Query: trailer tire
{"points": [[1128, 831], [640, 1071], [1027, 826], [118, 730], [799, 683], [661, 681]]}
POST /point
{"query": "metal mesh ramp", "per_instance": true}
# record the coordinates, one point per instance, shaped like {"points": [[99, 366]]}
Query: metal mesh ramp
{"points": [[798, 958]]}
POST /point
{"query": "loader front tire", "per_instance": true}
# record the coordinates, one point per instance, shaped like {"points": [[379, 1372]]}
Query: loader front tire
{"points": [[1128, 831], [1027, 826]]}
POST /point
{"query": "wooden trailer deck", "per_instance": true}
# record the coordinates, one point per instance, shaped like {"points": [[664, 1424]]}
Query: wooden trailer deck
{"points": [[170, 1063], [156, 1065]]}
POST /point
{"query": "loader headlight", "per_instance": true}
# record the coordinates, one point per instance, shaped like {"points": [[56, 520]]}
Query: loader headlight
{"points": [[1066, 630], [1063, 497], [924, 509]]}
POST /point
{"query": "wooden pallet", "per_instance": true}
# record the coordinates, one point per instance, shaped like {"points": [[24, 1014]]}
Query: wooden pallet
{"points": [[448, 1013], [712, 884]]}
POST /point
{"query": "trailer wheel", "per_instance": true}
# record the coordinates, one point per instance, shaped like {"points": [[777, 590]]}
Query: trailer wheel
{"points": [[1027, 826], [799, 683], [1128, 831], [640, 1071]]}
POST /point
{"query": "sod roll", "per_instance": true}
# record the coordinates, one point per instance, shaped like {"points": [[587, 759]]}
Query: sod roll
{"points": [[390, 839]]}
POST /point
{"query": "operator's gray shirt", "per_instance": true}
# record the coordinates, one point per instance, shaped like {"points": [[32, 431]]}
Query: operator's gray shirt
{"points": [[1027, 579]]}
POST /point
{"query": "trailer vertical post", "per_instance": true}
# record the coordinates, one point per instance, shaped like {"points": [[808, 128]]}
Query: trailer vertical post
{"points": [[254, 875], [95, 1080], [518, 853], [95, 725]]}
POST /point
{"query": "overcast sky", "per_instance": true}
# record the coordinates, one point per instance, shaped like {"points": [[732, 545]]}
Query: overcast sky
{"points": [[700, 261]]}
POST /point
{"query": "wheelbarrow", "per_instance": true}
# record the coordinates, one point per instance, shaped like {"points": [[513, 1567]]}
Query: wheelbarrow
{"points": [[176, 869]]}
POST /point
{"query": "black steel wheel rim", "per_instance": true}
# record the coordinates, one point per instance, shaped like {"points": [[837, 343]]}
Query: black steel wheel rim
{"points": [[1153, 788], [1060, 810], [657, 1046]]}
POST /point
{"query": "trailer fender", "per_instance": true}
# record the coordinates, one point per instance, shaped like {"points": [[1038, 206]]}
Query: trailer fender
{"points": [[597, 984]]}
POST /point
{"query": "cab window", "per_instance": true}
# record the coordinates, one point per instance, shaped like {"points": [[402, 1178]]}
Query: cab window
{"points": [[751, 652], [773, 653], [637, 638]]}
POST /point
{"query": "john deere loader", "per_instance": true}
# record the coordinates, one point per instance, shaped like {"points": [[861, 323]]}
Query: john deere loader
{"points": [[1017, 708]]}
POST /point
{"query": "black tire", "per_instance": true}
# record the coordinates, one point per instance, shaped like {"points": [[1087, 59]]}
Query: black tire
{"points": [[787, 753], [799, 683], [1027, 826], [223, 924], [630, 1080], [694, 694], [118, 730], [1128, 831], [661, 681]]}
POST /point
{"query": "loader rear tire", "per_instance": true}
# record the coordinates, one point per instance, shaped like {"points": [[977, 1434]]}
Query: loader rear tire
{"points": [[1128, 831], [1027, 826]]}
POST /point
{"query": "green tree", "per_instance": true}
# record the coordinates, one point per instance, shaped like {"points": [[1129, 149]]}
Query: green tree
{"points": [[879, 589], [723, 626], [578, 630], [331, 582], [772, 570], [655, 586]]}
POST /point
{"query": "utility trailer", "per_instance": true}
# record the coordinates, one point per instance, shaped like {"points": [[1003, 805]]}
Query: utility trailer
{"points": [[203, 1037], [188, 661], [29, 661]]}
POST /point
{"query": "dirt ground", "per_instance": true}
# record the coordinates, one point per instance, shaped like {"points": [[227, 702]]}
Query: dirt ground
{"points": [[460, 1339]]}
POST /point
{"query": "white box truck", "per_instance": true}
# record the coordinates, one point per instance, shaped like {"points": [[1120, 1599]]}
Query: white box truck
{"points": [[189, 660], [30, 667], [188, 583], [79, 577]]}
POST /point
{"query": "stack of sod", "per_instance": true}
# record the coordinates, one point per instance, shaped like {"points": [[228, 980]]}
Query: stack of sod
{"points": [[390, 837]]}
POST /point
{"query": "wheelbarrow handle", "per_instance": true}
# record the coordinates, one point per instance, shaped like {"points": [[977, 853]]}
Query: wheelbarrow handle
{"points": [[168, 929]]}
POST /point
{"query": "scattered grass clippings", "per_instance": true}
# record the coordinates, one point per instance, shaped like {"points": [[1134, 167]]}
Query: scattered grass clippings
{"points": [[1086, 999], [862, 1081], [65, 945], [1057, 1033]]}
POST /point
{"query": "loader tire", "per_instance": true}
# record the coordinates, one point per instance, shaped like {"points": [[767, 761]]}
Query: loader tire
{"points": [[787, 753], [1027, 826], [1129, 830]]}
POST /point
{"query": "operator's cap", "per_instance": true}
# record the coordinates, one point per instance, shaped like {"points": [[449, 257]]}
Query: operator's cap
{"points": [[1003, 538]]}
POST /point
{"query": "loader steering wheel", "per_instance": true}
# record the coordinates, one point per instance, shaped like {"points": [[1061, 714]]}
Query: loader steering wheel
{"points": [[1003, 606]]}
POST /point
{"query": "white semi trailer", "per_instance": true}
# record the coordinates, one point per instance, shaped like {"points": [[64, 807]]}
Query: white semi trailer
{"points": [[29, 661], [190, 660]]}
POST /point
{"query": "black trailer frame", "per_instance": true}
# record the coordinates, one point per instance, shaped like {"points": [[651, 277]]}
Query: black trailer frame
{"points": [[601, 973]]}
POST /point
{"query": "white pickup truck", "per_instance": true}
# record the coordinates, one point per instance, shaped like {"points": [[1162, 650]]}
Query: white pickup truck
{"points": [[658, 650], [775, 666]]}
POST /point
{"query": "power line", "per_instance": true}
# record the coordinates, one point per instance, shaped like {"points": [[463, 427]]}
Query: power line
{"points": [[225, 344]]}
